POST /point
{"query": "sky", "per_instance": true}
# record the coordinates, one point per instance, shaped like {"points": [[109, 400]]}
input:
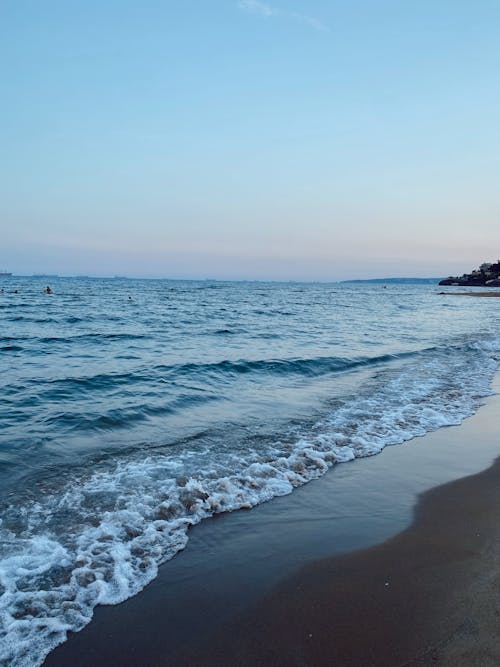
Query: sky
{"points": [[239, 139]]}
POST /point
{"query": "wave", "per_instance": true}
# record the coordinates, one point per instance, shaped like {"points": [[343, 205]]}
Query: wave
{"points": [[312, 367], [33, 320], [101, 538], [93, 336], [125, 417], [225, 332]]}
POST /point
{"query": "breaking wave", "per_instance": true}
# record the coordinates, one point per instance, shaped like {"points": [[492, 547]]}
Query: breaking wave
{"points": [[100, 537]]}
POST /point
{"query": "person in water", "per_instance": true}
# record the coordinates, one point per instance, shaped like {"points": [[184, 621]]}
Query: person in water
{"points": [[47, 290]]}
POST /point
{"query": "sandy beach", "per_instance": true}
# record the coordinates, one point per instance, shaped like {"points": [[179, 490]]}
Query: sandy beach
{"points": [[406, 574], [431, 595], [494, 294]]}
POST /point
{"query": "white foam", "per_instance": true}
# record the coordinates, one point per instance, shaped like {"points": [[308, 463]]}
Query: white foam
{"points": [[101, 540]]}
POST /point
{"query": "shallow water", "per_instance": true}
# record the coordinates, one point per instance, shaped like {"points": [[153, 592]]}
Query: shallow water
{"points": [[125, 420]]}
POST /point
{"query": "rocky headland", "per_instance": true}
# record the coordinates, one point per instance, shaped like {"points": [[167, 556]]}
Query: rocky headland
{"points": [[487, 275]]}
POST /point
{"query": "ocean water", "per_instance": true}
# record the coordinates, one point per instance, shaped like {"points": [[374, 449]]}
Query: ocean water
{"points": [[131, 410]]}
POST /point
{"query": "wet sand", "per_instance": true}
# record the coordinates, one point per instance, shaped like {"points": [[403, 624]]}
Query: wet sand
{"points": [[430, 595], [283, 584], [471, 293]]}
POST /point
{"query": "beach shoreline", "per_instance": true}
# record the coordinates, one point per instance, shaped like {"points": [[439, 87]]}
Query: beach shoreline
{"points": [[493, 294], [235, 597], [430, 595]]}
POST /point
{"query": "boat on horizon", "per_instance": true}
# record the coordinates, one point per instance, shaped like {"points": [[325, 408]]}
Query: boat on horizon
{"points": [[5, 274]]}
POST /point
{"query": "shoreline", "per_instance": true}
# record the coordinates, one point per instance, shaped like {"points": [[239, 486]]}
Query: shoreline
{"points": [[493, 294], [429, 595], [250, 582]]}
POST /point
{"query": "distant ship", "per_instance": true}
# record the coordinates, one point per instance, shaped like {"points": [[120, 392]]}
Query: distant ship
{"points": [[4, 274]]}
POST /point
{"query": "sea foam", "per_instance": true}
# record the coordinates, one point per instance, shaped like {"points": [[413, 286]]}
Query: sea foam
{"points": [[100, 539]]}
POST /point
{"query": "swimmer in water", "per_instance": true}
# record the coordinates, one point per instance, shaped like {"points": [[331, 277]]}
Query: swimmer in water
{"points": [[47, 290]]}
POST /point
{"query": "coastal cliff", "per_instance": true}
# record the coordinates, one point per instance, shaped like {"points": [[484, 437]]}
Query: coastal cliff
{"points": [[488, 274]]}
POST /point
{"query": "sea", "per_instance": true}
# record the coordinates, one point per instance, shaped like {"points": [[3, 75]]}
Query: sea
{"points": [[134, 409]]}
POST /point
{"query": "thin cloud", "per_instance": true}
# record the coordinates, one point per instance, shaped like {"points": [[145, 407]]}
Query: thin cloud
{"points": [[256, 7], [312, 22], [267, 11]]}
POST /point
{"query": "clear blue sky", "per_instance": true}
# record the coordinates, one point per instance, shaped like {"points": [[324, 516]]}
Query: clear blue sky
{"points": [[287, 139]]}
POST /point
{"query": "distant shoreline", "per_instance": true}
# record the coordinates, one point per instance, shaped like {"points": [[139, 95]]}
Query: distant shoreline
{"points": [[394, 281]]}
